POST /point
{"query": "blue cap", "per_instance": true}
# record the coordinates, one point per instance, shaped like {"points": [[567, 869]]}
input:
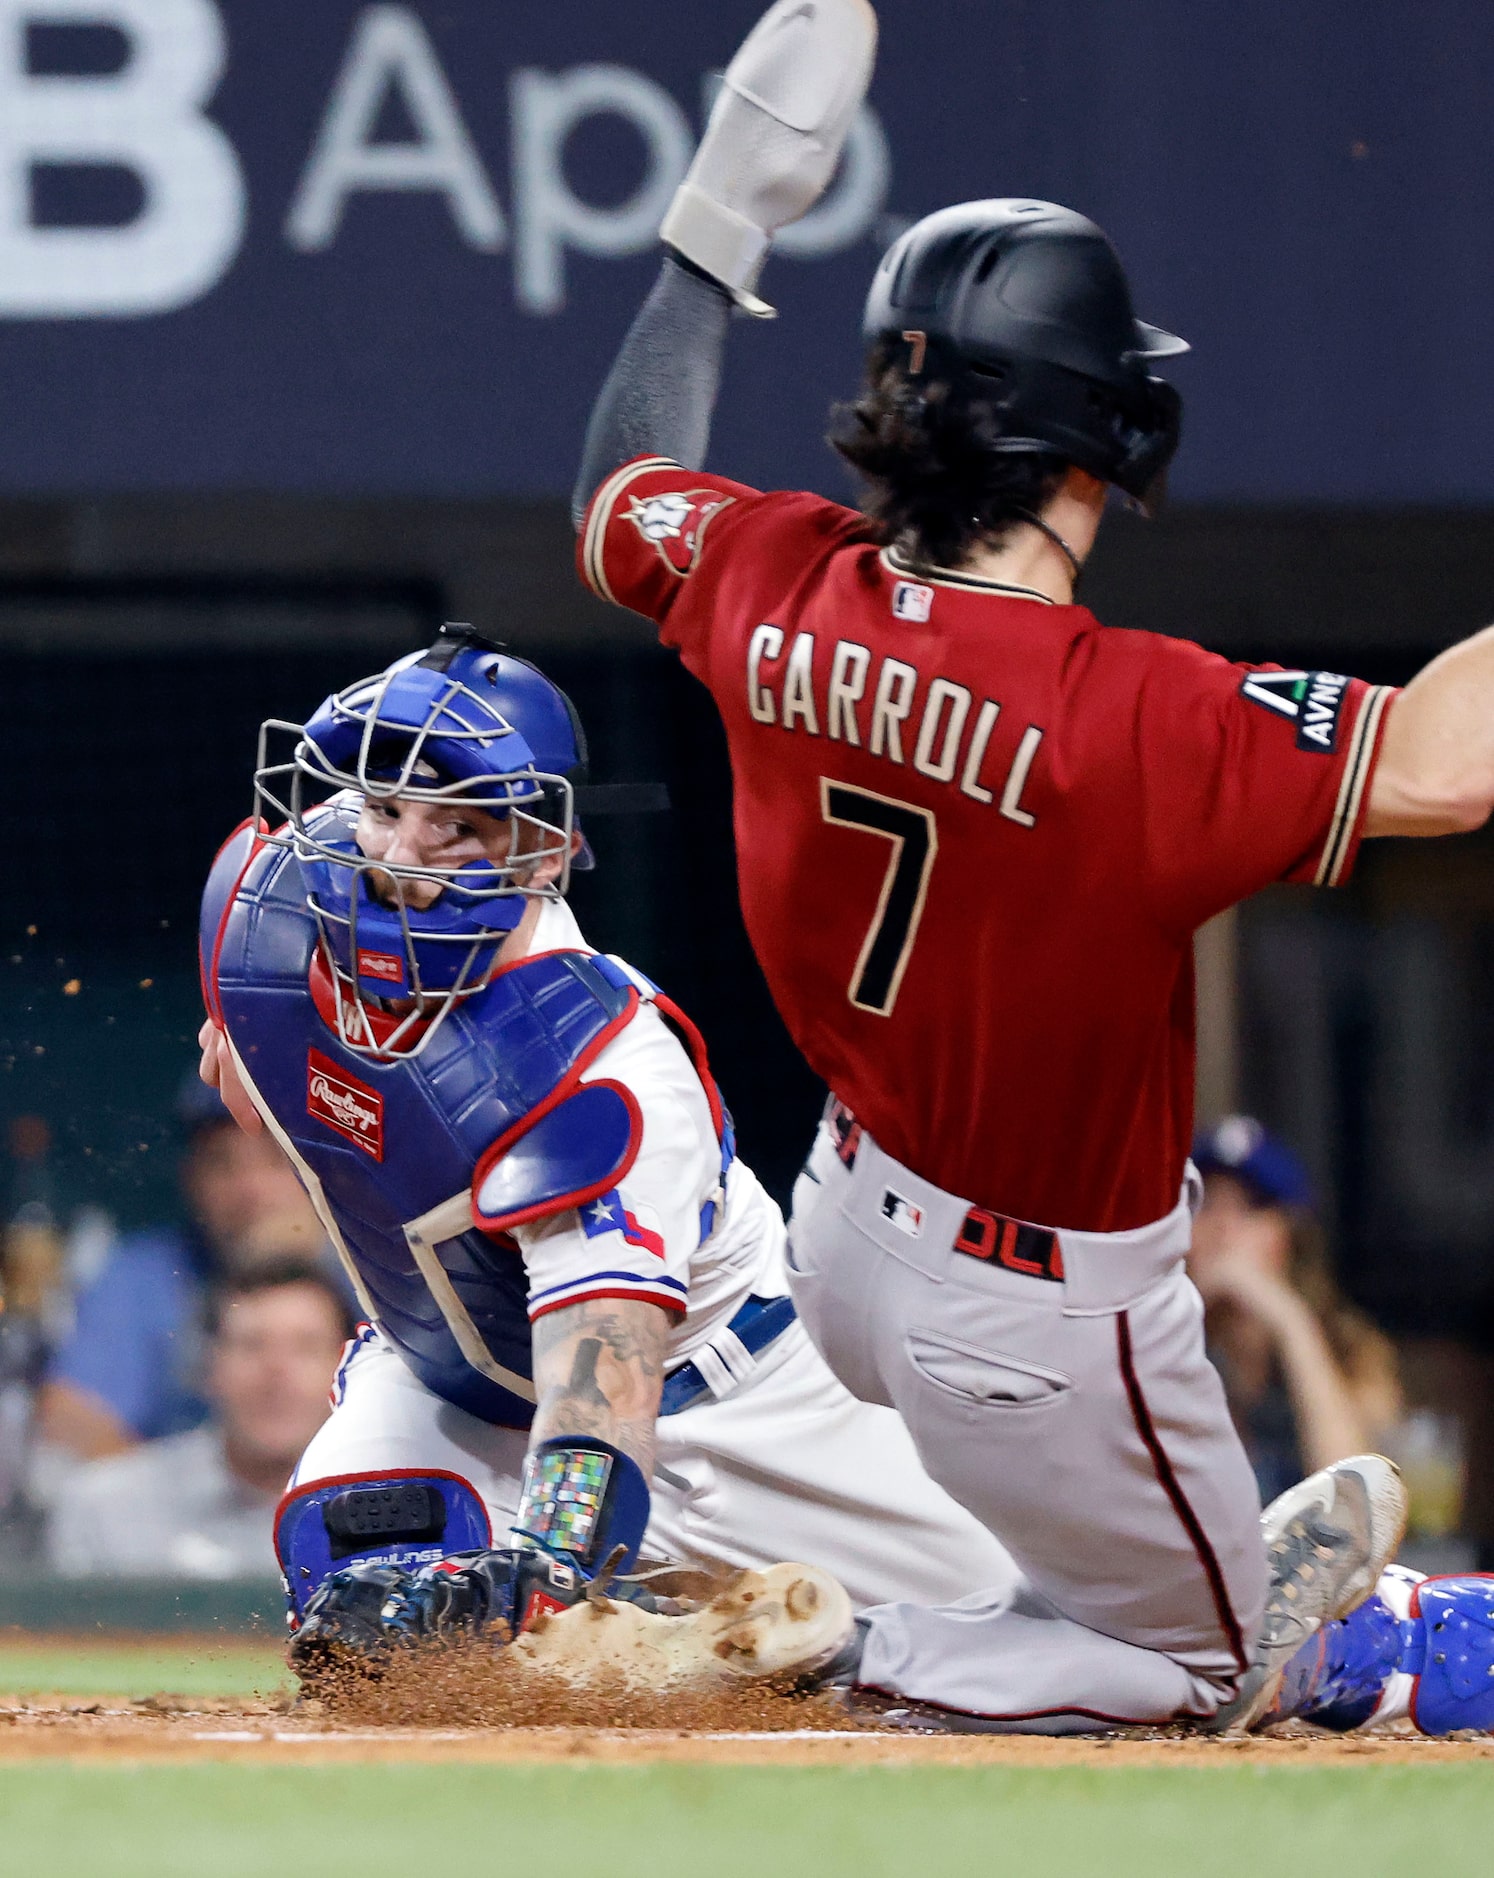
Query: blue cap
{"points": [[1240, 1146]]}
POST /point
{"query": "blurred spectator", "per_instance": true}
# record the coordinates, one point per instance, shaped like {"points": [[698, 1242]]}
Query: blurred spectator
{"points": [[33, 1297], [130, 1369], [1308, 1377], [202, 1504]]}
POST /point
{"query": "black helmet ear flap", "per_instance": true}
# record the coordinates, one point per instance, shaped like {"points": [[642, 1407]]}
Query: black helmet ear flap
{"points": [[1150, 447], [1126, 437]]}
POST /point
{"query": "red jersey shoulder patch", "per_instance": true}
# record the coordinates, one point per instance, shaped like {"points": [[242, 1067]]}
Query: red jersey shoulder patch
{"points": [[343, 1102], [676, 522]]}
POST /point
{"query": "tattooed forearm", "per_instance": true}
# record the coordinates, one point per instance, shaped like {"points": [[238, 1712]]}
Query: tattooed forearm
{"points": [[598, 1370]]}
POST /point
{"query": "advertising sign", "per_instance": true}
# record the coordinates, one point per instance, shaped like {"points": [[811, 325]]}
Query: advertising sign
{"points": [[349, 247]]}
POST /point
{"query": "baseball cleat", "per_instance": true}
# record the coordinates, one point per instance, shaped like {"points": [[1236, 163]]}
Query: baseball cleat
{"points": [[789, 1622], [1327, 1541]]}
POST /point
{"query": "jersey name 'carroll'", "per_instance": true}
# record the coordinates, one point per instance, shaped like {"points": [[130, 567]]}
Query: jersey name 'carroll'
{"points": [[976, 831], [870, 702]]}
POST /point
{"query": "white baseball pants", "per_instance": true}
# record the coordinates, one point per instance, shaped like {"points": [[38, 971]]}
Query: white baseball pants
{"points": [[1078, 1419], [786, 1466]]}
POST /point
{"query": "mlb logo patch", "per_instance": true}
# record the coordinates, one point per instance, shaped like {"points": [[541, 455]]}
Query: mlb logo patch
{"points": [[911, 600], [343, 1102], [903, 1213]]}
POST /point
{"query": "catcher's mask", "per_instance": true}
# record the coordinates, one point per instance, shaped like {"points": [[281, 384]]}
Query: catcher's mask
{"points": [[463, 726]]}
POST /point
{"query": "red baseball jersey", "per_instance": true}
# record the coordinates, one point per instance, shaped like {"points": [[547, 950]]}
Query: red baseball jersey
{"points": [[976, 831]]}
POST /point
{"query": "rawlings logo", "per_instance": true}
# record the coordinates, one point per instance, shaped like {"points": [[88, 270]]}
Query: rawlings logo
{"points": [[344, 1103], [676, 524], [384, 965]]}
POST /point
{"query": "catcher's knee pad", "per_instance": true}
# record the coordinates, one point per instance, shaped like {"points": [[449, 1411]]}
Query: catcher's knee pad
{"points": [[402, 1518], [1451, 1653]]}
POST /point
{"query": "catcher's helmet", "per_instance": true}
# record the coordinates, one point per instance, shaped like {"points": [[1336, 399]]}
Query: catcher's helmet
{"points": [[463, 725], [1031, 301]]}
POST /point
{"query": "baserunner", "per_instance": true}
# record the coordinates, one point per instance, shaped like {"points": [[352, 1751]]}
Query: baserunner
{"points": [[976, 833]]}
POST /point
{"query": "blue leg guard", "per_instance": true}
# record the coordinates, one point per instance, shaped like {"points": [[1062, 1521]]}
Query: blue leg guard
{"points": [[1451, 1653], [403, 1518], [1339, 1675], [1445, 1644]]}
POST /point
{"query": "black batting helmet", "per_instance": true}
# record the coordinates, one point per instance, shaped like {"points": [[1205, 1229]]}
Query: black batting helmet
{"points": [[1030, 300]]}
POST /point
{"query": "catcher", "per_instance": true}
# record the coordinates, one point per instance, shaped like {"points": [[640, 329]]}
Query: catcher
{"points": [[579, 1339]]}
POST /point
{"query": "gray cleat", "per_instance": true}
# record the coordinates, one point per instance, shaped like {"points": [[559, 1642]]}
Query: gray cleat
{"points": [[1327, 1541]]}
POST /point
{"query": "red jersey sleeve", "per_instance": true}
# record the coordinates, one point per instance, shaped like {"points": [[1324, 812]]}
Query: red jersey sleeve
{"points": [[667, 541], [1249, 775]]}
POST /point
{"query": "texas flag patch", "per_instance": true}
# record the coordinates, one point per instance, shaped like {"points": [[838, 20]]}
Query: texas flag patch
{"points": [[609, 1214]]}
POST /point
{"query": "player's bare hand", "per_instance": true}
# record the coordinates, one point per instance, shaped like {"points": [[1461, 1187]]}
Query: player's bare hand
{"points": [[207, 1042], [218, 1071]]}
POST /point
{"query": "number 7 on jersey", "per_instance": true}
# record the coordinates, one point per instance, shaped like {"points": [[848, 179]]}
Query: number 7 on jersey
{"points": [[889, 939]]}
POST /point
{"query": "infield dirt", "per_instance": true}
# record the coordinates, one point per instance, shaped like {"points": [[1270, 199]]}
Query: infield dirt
{"points": [[463, 1710], [164, 1728], [74, 1730]]}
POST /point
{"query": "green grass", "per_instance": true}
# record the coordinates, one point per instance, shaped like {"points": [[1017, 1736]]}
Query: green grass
{"points": [[678, 1822], [220, 1820], [196, 1666]]}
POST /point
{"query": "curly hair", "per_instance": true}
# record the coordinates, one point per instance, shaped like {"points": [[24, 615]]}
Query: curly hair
{"points": [[927, 451]]}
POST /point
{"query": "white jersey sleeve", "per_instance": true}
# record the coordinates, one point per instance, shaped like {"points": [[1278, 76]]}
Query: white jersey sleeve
{"points": [[647, 1238], [638, 1240]]}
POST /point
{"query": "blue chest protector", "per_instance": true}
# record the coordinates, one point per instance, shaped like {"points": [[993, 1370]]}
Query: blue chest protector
{"points": [[391, 1148]]}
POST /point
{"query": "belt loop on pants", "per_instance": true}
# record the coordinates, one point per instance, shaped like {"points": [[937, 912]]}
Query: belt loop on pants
{"points": [[845, 1131], [730, 1357]]}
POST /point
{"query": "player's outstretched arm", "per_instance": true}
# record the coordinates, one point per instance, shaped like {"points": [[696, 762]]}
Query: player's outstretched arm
{"points": [[599, 1370], [660, 395], [786, 104], [1436, 770]]}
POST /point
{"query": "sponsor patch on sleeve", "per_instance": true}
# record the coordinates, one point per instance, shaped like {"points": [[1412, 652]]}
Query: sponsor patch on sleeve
{"points": [[676, 523], [1313, 701]]}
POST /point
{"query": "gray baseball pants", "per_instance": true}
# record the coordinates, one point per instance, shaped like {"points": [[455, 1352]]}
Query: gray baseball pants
{"points": [[1078, 1419]]}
